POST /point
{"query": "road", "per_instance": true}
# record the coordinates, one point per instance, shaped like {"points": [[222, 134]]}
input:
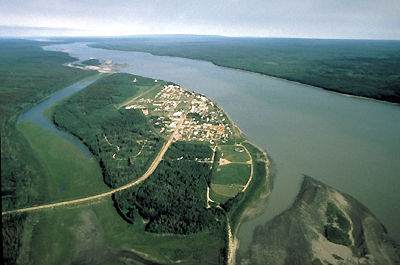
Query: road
{"points": [[147, 174], [251, 169], [138, 96]]}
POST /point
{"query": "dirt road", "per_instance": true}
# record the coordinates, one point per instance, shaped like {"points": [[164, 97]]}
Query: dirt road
{"points": [[137, 97], [149, 171], [251, 169]]}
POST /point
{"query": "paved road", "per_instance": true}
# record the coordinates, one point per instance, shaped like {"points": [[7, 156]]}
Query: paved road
{"points": [[149, 171]]}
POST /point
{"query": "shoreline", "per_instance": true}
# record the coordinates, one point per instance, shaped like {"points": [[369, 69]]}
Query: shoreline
{"points": [[233, 240], [262, 74], [301, 83]]}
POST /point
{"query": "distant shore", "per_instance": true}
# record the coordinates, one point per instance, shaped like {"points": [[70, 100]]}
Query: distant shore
{"points": [[379, 99]]}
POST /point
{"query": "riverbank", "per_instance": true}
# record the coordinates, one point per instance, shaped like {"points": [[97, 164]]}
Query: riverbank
{"points": [[356, 66], [297, 124], [245, 203], [29, 76]]}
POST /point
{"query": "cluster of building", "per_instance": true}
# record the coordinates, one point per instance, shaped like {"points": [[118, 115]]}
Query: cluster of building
{"points": [[203, 120]]}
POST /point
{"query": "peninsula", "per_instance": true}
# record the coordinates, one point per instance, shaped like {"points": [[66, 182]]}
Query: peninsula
{"points": [[169, 180]]}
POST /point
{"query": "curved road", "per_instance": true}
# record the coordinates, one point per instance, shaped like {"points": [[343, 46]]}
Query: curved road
{"points": [[147, 174]]}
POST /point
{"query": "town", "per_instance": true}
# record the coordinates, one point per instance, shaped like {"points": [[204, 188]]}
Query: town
{"points": [[203, 120]]}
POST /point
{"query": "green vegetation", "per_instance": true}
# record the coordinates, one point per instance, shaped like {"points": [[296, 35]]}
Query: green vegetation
{"points": [[232, 174], [173, 198], [27, 75], [316, 262], [95, 234], [222, 192], [189, 151], [366, 68], [92, 62], [228, 180], [71, 174], [166, 218], [338, 227], [123, 141], [12, 229], [237, 205], [234, 153]]}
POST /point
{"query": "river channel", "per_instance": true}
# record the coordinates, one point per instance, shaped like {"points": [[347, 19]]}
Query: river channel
{"points": [[350, 143], [36, 113]]}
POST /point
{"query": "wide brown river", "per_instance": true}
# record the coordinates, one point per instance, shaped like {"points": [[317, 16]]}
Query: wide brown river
{"points": [[350, 143]]}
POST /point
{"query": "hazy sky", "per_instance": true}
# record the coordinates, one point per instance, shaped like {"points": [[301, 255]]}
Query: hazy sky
{"points": [[376, 19]]}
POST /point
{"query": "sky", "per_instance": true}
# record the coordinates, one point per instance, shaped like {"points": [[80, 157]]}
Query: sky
{"points": [[343, 19]]}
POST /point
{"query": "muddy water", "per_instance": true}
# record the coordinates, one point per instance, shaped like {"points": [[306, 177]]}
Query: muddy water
{"points": [[349, 143]]}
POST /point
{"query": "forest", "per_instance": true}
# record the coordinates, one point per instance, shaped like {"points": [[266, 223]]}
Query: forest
{"points": [[173, 199], [27, 75], [368, 68], [123, 141]]}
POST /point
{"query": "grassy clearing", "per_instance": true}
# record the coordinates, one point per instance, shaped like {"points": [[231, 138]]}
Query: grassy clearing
{"points": [[52, 239], [258, 186], [97, 228], [229, 153], [70, 174], [143, 92], [199, 248], [227, 191], [232, 174], [217, 197]]}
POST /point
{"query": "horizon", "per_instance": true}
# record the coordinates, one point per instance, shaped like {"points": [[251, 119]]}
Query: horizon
{"points": [[53, 37], [309, 19]]}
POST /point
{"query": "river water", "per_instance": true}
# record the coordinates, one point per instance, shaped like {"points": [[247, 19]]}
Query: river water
{"points": [[350, 143], [36, 113]]}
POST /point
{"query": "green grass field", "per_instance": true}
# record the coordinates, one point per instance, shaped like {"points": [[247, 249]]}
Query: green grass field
{"points": [[232, 174], [69, 173], [223, 192], [229, 153], [257, 187], [96, 233], [228, 180]]}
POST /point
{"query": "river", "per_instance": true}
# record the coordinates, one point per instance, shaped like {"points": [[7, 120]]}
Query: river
{"points": [[36, 113], [350, 143]]}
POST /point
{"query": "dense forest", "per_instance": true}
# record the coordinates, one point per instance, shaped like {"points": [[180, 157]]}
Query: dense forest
{"points": [[27, 75], [123, 141], [173, 199], [368, 68]]}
